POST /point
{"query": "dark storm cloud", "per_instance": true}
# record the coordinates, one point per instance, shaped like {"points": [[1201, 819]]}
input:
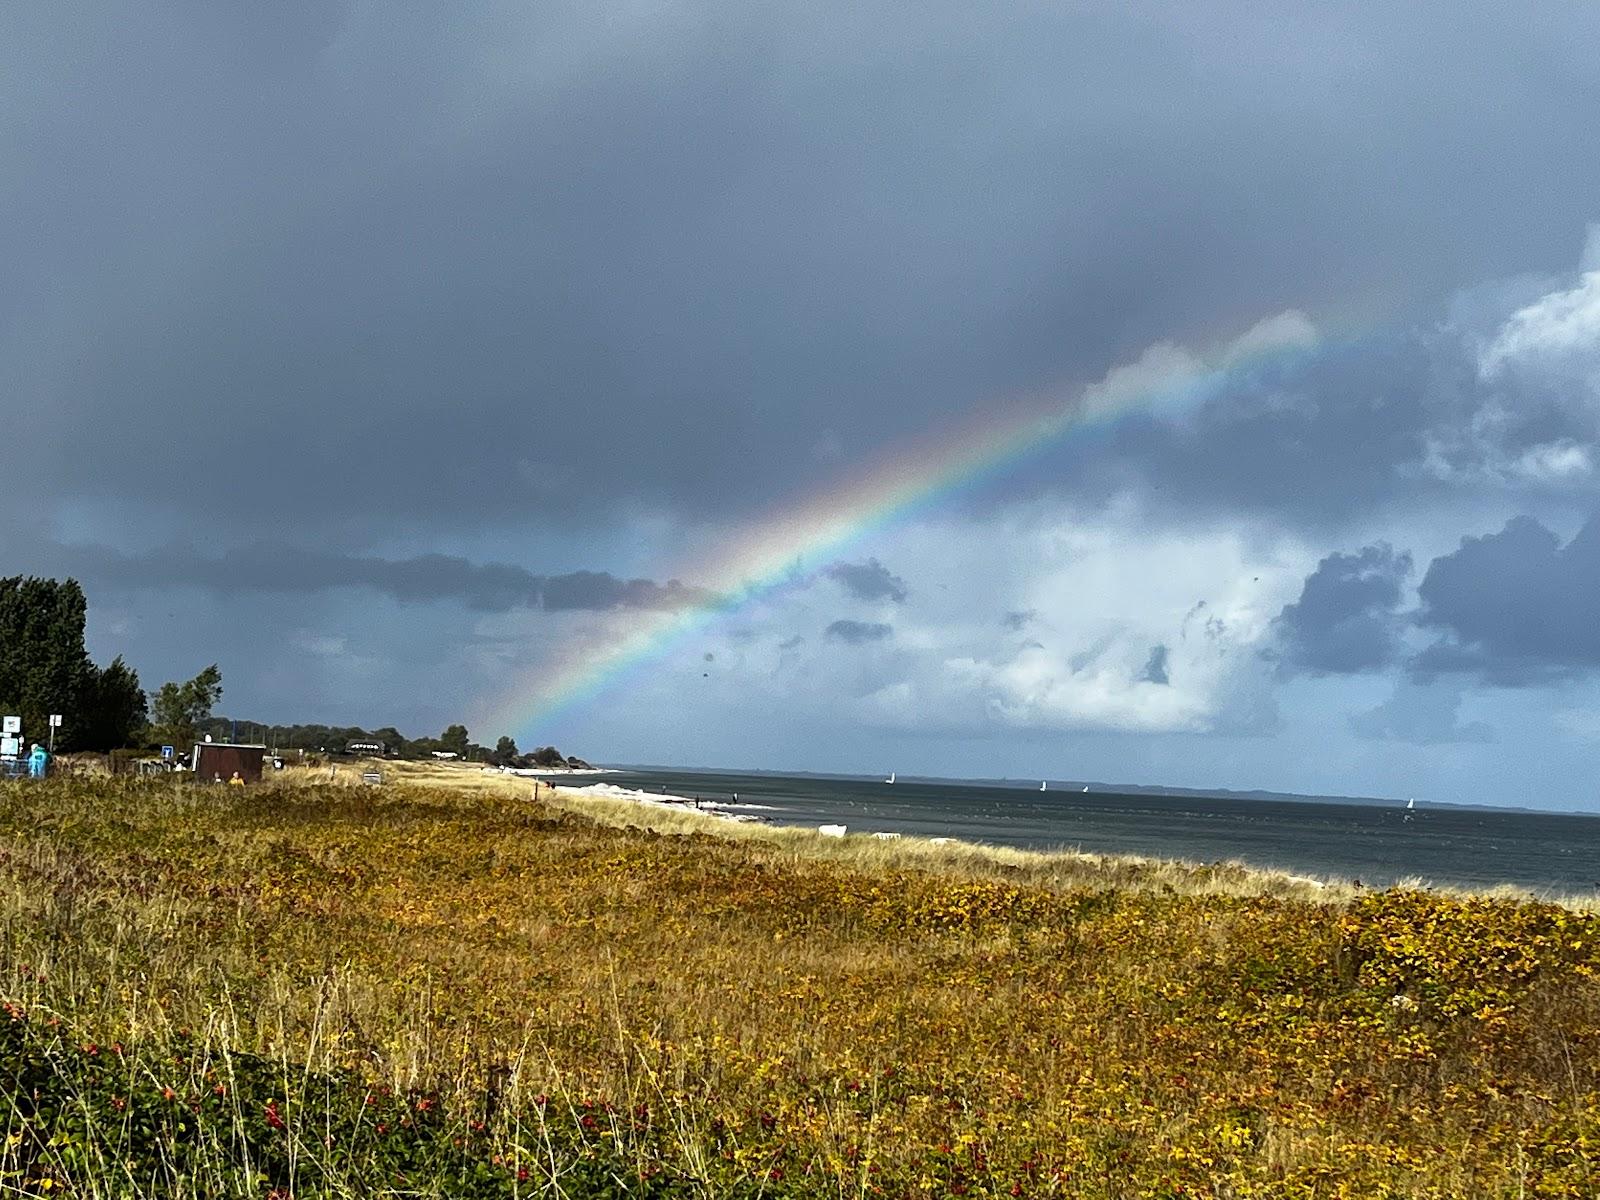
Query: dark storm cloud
{"points": [[599, 589], [1512, 608], [870, 580], [1316, 437], [858, 633], [488, 587], [1313, 438], [1346, 619], [1155, 667], [1517, 606], [374, 270]]}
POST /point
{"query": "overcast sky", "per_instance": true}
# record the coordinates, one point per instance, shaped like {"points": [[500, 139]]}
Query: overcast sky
{"points": [[394, 357]]}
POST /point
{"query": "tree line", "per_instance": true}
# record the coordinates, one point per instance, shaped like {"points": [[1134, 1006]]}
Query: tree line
{"points": [[45, 668], [337, 739]]}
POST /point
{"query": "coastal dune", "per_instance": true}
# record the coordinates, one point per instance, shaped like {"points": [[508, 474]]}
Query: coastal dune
{"points": [[484, 991]]}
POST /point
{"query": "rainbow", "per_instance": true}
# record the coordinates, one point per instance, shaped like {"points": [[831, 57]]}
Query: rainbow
{"points": [[775, 552]]}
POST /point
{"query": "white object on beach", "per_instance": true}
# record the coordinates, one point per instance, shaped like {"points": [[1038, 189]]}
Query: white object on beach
{"points": [[887, 837], [831, 830], [940, 841], [1307, 881], [611, 791]]}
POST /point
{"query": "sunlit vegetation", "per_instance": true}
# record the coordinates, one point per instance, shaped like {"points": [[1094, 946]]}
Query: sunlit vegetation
{"points": [[320, 990]]}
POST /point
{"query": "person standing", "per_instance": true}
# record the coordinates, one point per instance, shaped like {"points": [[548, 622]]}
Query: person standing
{"points": [[38, 762]]}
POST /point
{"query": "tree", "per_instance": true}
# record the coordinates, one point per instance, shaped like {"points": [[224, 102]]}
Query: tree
{"points": [[454, 739], [179, 708], [548, 756], [505, 753], [44, 667], [116, 712]]}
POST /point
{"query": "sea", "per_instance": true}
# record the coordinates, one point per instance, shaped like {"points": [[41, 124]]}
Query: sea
{"points": [[1378, 842]]}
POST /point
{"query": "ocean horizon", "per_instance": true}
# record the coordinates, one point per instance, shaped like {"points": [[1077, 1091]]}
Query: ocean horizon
{"points": [[1375, 840]]}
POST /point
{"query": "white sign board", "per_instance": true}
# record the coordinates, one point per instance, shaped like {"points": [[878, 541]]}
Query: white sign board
{"points": [[10, 746], [11, 725], [55, 720]]}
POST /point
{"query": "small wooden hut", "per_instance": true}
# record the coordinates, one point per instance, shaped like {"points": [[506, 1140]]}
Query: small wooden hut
{"points": [[219, 760]]}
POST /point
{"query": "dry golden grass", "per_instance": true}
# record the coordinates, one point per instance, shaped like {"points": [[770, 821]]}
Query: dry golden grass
{"points": [[1055, 868], [772, 1012]]}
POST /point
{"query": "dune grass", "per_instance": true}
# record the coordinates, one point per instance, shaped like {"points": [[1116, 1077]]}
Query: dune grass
{"points": [[314, 989], [1062, 867]]}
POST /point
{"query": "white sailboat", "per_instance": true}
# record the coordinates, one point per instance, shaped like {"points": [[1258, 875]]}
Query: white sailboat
{"points": [[1411, 803], [1041, 785], [891, 778], [1086, 787]]}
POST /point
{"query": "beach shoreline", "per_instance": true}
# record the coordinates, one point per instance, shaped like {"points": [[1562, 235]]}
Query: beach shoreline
{"points": [[551, 772], [669, 813], [1056, 865], [721, 810]]}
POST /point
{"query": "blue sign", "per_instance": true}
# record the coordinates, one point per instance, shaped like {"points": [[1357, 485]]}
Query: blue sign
{"points": [[166, 752]]}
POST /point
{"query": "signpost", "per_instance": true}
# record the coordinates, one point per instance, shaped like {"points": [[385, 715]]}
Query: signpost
{"points": [[166, 752], [55, 724], [11, 726], [10, 737]]}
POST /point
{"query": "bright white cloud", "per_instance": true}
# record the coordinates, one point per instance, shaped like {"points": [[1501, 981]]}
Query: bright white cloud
{"points": [[1101, 592], [1162, 368], [1558, 334], [1476, 454], [1554, 462], [1538, 368], [1290, 329], [1170, 372]]}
